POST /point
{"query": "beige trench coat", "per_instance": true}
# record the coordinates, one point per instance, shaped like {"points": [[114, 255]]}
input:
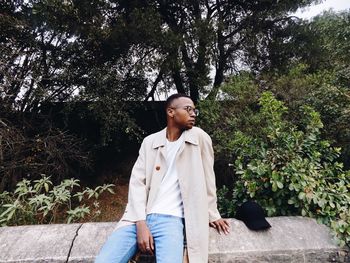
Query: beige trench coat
{"points": [[194, 162]]}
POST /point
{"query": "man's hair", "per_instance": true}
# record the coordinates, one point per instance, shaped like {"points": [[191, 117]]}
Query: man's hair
{"points": [[174, 97]]}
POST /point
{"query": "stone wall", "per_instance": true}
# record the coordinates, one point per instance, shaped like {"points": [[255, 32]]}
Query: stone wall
{"points": [[290, 239]]}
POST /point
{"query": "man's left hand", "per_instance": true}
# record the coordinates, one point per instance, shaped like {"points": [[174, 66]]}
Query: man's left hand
{"points": [[221, 225]]}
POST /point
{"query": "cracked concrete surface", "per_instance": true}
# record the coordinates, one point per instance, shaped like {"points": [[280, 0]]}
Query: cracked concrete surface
{"points": [[73, 241], [89, 241], [291, 239]]}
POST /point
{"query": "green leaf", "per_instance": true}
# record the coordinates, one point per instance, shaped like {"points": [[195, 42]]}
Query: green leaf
{"points": [[274, 187], [303, 212], [301, 195], [46, 185], [279, 185]]}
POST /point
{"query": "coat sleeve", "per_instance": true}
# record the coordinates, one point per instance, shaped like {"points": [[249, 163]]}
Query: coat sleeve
{"points": [[137, 197], [208, 165]]}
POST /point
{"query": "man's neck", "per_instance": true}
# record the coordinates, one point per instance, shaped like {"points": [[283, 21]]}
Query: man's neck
{"points": [[173, 133]]}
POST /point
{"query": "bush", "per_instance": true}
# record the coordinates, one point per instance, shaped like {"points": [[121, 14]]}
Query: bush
{"points": [[31, 148], [41, 202], [321, 91], [235, 110], [289, 170]]}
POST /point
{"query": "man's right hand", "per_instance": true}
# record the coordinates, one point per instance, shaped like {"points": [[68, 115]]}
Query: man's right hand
{"points": [[144, 237]]}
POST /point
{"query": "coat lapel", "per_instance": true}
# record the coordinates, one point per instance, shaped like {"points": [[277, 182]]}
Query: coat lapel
{"points": [[188, 138], [160, 142]]}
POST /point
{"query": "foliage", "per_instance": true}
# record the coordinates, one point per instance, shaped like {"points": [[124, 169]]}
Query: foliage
{"points": [[232, 111], [112, 52], [331, 31], [322, 91], [59, 51], [108, 97], [321, 43], [31, 148], [289, 169], [236, 107], [53, 50], [42, 202]]}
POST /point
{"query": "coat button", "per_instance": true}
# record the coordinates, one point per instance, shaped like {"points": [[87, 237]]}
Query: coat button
{"points": [[157, 167]]}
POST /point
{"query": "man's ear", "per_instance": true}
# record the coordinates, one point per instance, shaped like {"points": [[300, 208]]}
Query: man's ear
{"points": [[170, 112]]}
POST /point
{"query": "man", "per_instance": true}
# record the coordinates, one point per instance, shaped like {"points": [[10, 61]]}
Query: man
{"points": [[172, 194]]}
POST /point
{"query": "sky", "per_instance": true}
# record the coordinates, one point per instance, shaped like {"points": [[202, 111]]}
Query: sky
{"points": [[336, 5]]}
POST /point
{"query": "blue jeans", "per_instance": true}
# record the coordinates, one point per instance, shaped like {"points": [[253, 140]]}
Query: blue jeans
{"points": [[168, 235]]}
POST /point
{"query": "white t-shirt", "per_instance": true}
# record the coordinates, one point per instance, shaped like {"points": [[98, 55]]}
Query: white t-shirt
{"points": [[168, 200]]}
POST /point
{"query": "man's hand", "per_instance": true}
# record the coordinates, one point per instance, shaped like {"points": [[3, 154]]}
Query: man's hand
{"points": [[144, 238], [221, 225]]}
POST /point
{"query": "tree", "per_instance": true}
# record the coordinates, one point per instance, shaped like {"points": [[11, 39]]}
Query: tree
{"points": [[197, 37], [333, 33], [52, 50], [34, 52], [59, 51], [321, 43], [57, 47]]}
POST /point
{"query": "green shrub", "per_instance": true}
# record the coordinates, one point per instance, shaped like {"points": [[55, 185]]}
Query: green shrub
{"points": [[41, 202], [320, 90], [289, 170], [221, 118]]}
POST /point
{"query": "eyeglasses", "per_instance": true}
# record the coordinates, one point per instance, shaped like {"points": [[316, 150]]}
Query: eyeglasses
{"points": [[189, 109]]}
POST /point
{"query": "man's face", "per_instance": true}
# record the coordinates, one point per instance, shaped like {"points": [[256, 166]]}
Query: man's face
{"points": [[182, 112]]}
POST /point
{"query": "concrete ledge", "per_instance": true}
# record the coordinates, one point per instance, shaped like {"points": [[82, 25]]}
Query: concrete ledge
{"points": [[291, 239]]}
